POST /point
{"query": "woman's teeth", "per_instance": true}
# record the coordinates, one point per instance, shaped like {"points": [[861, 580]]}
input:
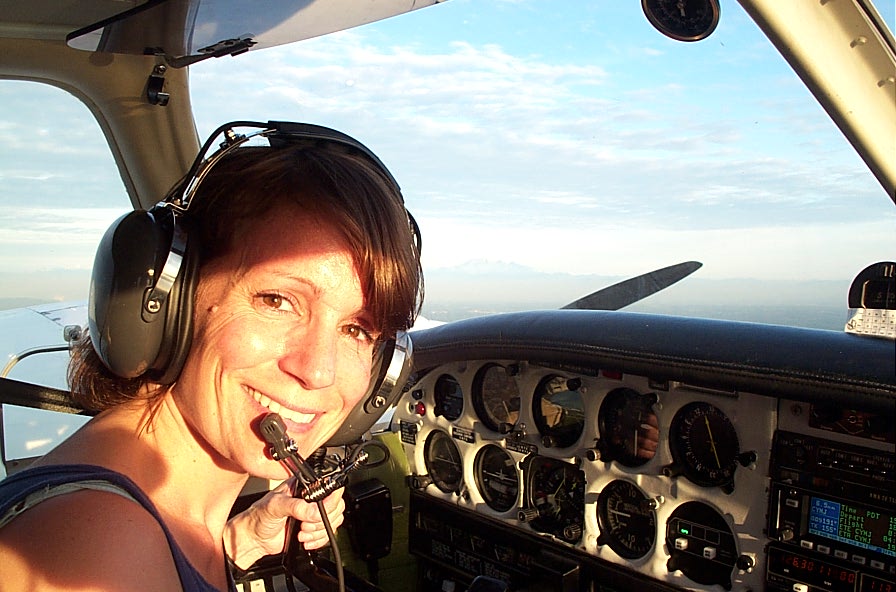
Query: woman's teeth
{"points": [[275, 407]]}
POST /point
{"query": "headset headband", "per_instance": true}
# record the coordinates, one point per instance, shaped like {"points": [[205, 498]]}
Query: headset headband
{"points": [[278, 134]]}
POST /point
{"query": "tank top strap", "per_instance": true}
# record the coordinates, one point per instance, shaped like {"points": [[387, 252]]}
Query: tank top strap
{"points": [[25, 489]]}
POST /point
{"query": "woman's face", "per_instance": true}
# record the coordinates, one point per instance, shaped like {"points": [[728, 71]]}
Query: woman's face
{"points": [[280, 326]]}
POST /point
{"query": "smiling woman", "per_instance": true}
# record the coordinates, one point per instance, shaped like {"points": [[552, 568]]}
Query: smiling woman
{"points": [[291, 267]]}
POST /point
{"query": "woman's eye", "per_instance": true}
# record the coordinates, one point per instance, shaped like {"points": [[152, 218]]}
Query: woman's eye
{"points": [[359, 333], [274, 301]]}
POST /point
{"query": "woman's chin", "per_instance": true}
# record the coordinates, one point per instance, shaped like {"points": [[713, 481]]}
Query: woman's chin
{"points": [[271, 471]]}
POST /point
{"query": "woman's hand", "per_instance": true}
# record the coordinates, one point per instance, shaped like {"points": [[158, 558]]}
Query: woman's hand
{"points": [[261, 529]]}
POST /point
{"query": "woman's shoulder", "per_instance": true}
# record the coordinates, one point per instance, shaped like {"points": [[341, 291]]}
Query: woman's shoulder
{"points": [[88, 538]]}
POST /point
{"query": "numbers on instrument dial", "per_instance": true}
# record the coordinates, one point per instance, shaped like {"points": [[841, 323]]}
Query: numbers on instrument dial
{"points": [[627, 519]]}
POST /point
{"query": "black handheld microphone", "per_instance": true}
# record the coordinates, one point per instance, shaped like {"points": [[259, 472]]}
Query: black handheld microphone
{"points": [[284, 449], [311, 489]]}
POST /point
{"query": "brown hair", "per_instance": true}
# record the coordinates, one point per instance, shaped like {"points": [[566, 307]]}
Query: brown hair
{"points": [[332, 182]]}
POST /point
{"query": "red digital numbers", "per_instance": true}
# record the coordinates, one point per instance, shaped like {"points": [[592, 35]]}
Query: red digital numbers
{"points": [[829, 571], [871, 584]]}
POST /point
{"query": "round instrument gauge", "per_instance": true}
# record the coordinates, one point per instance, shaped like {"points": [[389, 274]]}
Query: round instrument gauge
{"points": [[626, 519], [496, 398], [555, 498], [559, 411], [629, 430], [443, 462], [704, 446], [683, 20], [497, 477], [449, 397]]}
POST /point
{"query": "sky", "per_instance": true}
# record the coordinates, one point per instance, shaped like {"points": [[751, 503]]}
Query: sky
{"points": [[534, 139]]}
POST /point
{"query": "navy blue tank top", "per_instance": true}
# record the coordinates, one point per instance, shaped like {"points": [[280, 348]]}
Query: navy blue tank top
{"points": [[22, 490]]}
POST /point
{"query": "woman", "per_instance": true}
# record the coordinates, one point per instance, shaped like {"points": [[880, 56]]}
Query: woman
{"points": [[306, 263]]}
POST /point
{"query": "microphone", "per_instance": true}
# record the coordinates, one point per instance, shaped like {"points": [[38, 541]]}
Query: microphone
{"points": [[284, 449]]}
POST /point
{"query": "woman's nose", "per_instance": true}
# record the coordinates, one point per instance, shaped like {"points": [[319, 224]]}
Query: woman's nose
{"points": [[310, 356]]}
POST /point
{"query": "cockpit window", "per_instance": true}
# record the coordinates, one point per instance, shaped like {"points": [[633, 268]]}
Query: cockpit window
{"points": [[574, 147], [60, 190]]}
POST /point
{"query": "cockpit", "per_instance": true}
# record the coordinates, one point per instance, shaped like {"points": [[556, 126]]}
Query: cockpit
{"points": [[562, 418]]}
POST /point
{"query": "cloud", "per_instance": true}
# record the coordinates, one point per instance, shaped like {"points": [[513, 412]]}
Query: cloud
{"points": [[592, 155], [565, 166]]}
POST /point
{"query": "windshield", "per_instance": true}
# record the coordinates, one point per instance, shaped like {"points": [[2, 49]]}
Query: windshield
{"points": [[551, 149], [547, 150]]}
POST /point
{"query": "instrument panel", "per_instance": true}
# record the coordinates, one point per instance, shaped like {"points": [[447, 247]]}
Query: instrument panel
{"points": [[660, 477], [607, 451]]}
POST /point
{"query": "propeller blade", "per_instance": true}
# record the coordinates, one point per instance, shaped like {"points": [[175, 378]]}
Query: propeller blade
{"points": [[637, 288]]}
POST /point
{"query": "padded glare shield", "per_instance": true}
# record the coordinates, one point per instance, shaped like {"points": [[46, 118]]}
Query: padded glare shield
{"points": [[134, 331]]}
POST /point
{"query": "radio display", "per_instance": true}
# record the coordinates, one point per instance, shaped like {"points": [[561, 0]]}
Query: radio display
{"points": [[819, 574], [862, 527]]}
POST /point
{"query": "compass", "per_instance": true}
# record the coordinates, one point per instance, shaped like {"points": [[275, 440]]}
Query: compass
{"points": [[683, 20]]}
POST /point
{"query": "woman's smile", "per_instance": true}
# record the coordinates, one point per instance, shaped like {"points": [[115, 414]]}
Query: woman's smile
{"points": [[288, 414]]}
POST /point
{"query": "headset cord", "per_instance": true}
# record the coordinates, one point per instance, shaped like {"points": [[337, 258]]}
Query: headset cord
{"points": [[308, 485], [317, 460], [310, 577]]}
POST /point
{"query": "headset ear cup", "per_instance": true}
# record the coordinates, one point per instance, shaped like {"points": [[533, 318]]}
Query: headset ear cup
{"points": [[131, 337], [388, 375], [126, 335], [178, 333]]}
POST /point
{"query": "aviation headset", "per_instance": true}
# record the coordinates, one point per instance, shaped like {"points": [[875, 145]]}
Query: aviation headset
{"points": [[140, 308]]}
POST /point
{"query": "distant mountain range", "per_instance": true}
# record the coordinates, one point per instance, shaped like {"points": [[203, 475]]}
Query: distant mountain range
{"points": [[488, 281], [483, 287]]}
